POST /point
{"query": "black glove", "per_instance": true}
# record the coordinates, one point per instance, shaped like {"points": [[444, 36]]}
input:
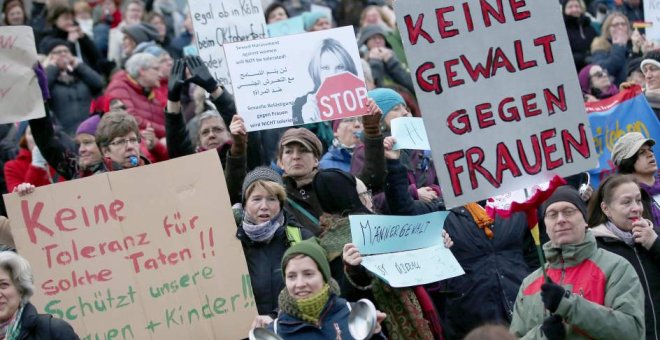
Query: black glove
{"points": [[551, 294], [175, 82], [553, 328], [200, 75]]}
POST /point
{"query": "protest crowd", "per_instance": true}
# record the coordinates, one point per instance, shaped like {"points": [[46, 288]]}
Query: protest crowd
{"points": [[123, 87]]}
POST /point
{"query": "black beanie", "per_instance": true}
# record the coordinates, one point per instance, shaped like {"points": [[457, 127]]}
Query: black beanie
{"points": [[337, 193], [49, 44], [566, 193]]}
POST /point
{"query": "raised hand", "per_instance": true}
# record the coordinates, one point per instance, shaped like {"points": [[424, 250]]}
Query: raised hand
{"points": [[200, 75], [175, 82]]}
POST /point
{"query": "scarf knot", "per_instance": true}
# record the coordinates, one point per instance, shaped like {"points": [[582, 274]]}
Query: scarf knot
{"points": [[262, 232]]}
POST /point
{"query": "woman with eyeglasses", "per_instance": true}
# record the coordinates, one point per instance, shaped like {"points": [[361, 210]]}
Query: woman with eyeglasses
{"points": [[595, 83], [621, 225]]}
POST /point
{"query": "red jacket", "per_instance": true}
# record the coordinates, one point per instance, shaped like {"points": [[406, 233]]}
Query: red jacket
{"points": [[21, 170], [145, 107]]}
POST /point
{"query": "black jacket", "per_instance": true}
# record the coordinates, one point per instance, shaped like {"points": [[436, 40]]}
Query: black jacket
{"points": [[647, 267], [35, 326], [264, 265], [580, 35]]}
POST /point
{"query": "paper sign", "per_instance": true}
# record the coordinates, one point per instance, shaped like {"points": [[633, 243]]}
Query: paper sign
{"points": [[610, 119], [377, 234], [286, 27], [652, 17], [276, 80], [498, 92], [413, 268], [410, 133], [217, 23], [20, 95], [145, 253]]}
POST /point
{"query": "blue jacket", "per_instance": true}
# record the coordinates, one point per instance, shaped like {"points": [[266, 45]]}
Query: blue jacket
{"points": [[333, 324], [336, 158]]}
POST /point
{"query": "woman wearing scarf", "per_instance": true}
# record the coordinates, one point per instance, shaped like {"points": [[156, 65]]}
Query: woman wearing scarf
{"points": [[651, 69], [18, 317], [596, 83], [311, 307], [621, 226], [633, 155], [410, 311], [266, 232]]}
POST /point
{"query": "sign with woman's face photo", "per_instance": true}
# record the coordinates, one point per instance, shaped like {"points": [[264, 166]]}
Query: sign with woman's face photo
{"points": [[297, 79]]}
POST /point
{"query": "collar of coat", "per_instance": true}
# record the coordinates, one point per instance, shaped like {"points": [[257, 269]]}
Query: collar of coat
{"points": [[571, 254]]}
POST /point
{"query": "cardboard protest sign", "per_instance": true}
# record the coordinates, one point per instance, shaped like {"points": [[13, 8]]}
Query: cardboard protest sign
{"points": [[145, 253], [404, 250], [410, 133], [652, 17], [498, 92], [612, 118], [294, 25], [20, 95], [297, 79], [217, 23]]}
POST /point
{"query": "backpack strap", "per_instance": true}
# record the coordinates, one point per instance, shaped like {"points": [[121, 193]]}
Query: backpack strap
{"points": [[303, 211], [293, 234]]}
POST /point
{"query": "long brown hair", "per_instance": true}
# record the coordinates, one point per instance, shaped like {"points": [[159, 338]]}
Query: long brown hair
{"points": [[605, 194]]}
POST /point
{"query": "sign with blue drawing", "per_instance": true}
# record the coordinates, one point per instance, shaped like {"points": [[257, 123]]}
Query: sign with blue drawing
{"points": [[294, 25], [410, 133], [404, 250], [610, 119]]}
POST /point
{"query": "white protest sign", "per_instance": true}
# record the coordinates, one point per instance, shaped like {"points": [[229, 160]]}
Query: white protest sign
{"points": [[297, 79], [404, 250], [410, 133], [220, 22], [652, 16], [20, 95], [415, 267], [499, 94]]}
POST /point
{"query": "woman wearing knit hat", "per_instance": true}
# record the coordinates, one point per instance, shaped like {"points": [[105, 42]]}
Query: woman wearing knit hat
{"points": [[595, 83], [386, 67], [265, 230], [650, 67], [633, 154], [316, 21], [621, 225], [310, 305]]}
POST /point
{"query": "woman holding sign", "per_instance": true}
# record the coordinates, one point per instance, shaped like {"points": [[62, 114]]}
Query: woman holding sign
{"points": [[18, 317], [620, 225]]}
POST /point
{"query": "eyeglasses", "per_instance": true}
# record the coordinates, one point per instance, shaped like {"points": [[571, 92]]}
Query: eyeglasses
{"points": [[552, 215], [215, 130], [600, 74], [62, 51], [123, 141]]}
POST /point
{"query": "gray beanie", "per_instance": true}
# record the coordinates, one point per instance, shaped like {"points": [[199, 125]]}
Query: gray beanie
{"points": [[141, 32], [260, 173]]}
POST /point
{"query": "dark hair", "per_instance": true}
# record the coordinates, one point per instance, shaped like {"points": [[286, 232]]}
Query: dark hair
{"points": [[57, 11], [627, 166], [273, 6], [604, 194]]}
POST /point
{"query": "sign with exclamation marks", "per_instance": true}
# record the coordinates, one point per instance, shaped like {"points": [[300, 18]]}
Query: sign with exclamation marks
{"points": [[248, 295], [209, 241]]}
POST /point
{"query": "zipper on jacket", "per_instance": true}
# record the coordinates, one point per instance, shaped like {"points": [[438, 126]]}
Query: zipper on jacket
{"points": [[563, 269], [648, 289]]}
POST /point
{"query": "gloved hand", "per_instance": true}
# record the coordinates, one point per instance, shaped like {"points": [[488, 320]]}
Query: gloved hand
{"points": [[175, 82], [42, 79], [551, 294], [38, 159], [200, 75], [553, 328]]}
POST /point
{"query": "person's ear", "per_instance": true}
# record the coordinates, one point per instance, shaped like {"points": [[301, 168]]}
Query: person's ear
{"points": [[605, 209]]}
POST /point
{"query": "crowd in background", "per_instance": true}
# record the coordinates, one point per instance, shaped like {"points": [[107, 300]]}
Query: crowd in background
{"points": [[123, 87]]}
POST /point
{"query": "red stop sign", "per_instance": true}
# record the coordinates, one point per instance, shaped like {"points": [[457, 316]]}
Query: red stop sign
{"points": [[342, 95]]}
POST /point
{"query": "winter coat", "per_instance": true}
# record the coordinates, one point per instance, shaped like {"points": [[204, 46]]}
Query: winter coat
{"points": [[580, 35], [304, 198], [35, 326], [143, 105], [20, 170], [613, 58], [605, 299], [333, 323], [70, 102], [338, 158], [647, 266], [494, 269], [264, 262], [392, 71]]}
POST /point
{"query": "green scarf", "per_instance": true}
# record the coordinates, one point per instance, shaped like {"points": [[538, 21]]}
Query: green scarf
{"points": [[14, 328], [309, 309]]}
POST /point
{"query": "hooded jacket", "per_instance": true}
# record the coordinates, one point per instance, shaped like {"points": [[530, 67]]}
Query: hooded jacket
{"points": [[647, 266], [605, 299]]}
